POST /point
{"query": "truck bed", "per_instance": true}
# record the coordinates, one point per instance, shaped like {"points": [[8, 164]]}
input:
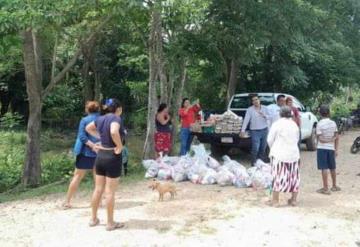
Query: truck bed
{"points": [[227, 140]]}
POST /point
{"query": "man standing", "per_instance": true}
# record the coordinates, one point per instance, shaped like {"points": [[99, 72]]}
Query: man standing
{"points": [[274, 109], [257, 115]]}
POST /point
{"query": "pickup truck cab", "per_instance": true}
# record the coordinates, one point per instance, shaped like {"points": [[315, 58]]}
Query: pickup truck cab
{"points": [[221, 143]]}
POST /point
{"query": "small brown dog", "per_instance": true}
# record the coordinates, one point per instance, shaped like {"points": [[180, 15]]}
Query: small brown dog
{"points": [[163, 188]]}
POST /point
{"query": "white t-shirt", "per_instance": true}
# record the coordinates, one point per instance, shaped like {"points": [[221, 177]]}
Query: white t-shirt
{"points": [[326, 129], [274, 113], [283, 140]]}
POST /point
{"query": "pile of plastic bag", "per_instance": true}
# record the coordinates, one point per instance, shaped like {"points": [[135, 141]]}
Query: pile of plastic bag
{"points": [[201, 168]]}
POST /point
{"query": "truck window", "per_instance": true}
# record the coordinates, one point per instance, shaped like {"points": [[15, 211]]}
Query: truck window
{"points": [[244, 101]]}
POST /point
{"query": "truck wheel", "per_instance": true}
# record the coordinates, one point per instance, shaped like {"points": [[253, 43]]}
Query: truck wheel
{"points": [[218, 150], [311, 141]]}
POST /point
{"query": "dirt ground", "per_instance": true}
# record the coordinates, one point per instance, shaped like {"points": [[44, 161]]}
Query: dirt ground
{"points": [[200, 215]]}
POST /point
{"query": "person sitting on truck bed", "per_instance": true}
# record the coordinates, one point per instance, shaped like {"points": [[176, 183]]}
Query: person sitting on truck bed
{"points": [[187, 114], [274, 109], [257, 115]]}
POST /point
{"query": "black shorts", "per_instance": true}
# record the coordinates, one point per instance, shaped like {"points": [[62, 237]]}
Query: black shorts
{"points": [[84, 162], [326, 159], [108, 164]]}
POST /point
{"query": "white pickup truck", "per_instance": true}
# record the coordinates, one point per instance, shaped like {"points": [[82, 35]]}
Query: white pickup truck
{"points": [[221, 143]]}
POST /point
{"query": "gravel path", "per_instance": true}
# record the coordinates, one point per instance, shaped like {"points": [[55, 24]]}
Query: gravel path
{"points": [[200, 215]]}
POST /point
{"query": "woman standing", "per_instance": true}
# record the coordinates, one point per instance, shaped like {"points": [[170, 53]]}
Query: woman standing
{"points": [[108, 162], [295, 112], [187, 114], [84, 150], [284, 155], [163, 131]]}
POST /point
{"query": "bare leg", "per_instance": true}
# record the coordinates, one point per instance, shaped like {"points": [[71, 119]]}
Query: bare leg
{"points": [[94, 177], [333, 178], [324, 174], [275, 199], [98, 191], [73, 186], [110, 188], [292, 200]]}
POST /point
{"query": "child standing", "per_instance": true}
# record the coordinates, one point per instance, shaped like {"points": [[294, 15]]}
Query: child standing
{"points": [[327, 149]]}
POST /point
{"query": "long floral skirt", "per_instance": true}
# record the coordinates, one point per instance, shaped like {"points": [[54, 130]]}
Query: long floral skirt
{"points": [[162, 142], [286, 176]]}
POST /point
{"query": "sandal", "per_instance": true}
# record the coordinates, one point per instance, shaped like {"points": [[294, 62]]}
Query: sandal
{"points": [[66, 206], [323, 191], [273, 204], [335, 189], [93, 223], [114, 226]]}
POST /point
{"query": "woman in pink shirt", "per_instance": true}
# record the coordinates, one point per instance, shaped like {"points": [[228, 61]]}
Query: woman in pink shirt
{"points": [[187, 114]]}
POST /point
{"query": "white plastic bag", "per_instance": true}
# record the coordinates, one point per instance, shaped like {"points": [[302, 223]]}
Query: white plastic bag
{"points": [[171, 160], [164, 174], [261, 179], [152, 171], [213, 163], [148, 163], [210, 177], [224, 177], [178, 173], [242, 178]]}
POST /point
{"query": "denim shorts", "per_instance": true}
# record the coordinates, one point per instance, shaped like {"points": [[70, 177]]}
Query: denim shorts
{"points": [[326, 159]]}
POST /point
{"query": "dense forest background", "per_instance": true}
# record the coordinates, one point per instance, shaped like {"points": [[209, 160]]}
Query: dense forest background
{"points": [[56, 55]]}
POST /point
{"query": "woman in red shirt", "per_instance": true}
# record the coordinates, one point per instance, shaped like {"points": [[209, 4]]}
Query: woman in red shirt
{"points": [[187, 114]]}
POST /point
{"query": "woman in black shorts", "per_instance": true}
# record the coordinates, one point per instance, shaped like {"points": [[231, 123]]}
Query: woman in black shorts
{"points": [[108, 162], [84, 150]]}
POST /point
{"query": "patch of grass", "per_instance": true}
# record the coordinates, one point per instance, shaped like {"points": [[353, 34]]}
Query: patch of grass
{"points": [[57, 164]]}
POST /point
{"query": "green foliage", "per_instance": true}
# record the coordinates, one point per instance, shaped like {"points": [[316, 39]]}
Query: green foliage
{"points": [[11, 160], [64, 103], [11, 121], [56, 167]]}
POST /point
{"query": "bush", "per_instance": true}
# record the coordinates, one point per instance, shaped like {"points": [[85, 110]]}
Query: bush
{"points": [[11, 121], [11, 163], [56, 167]]}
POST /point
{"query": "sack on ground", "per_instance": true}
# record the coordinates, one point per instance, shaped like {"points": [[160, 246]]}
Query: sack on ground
{"points": [[224, 177]]}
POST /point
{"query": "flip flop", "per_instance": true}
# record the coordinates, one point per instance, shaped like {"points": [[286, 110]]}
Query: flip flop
{"points": [[66, 206], [93, 223], [323, 191], [335, 189], [116, 225], [273, 204]]}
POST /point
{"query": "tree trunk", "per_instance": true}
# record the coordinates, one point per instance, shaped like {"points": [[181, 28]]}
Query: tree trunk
{"points": [[97, 86], [88, 91], [33, 75], [153, 74], [177, 103], [232, 84]]}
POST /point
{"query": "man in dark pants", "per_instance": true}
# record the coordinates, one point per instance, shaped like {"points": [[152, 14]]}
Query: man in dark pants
{"points": [[257, 116]]}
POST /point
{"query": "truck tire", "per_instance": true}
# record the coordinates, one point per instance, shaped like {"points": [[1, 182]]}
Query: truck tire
{"points": [[311, 141], [218, 150]]}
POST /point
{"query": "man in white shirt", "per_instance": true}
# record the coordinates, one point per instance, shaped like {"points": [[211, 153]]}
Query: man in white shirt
{"points": [[327, 148], [257, 117], [274, 109]]}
